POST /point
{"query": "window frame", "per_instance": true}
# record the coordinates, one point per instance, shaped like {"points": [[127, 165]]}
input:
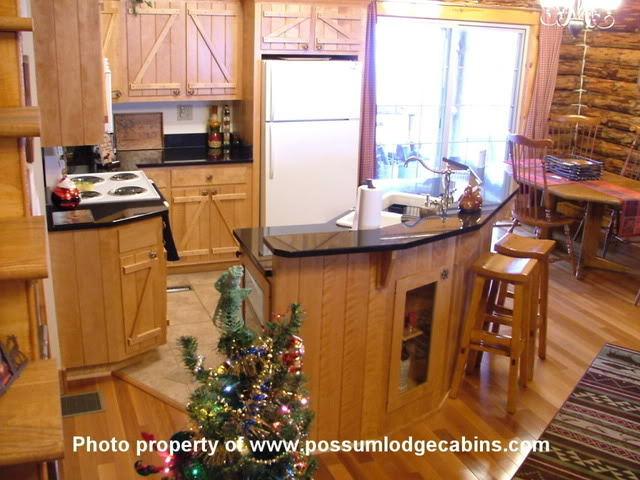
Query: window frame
{"points": [[529, 19]]}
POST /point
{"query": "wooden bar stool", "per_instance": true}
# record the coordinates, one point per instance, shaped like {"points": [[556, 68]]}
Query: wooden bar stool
{"points": [[523, 274], [517, 246]]}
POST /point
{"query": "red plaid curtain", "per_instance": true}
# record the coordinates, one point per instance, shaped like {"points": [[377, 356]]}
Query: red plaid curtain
{"points": [[545, 82], [369, 108]]}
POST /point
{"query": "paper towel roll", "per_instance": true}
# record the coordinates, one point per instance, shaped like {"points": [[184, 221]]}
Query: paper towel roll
{"points": [[368, 209]]}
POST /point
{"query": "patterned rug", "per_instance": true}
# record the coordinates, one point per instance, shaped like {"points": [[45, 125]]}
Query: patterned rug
{"points": [[596, 433]]}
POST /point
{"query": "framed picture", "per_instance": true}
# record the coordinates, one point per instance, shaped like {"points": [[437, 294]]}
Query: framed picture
{"points": [[12, 362]]}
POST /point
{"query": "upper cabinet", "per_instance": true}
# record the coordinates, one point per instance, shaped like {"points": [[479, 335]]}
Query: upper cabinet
{"points": [[155, 50], [213, 40], [111, 30], [69, 63], [286, 26], [339, 28], [177, 50], [312, 29]]}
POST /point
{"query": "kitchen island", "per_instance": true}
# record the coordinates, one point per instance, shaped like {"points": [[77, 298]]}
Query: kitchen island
{"points": [[383, 307], [108, 259]]}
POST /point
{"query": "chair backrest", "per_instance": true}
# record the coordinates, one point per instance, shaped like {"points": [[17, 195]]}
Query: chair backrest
{"points": [[573, 135], [527, 160], [631, 168]]}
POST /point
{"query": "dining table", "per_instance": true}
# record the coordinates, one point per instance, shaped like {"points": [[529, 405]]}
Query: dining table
{"points": [[611, 191]]}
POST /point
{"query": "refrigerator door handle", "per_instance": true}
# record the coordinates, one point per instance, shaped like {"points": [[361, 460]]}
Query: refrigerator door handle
{"points": [[270, 152]]}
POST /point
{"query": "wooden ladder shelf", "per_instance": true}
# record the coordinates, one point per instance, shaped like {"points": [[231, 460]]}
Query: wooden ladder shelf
{"points": [[15, 24], [23, 248], [20, 122]]}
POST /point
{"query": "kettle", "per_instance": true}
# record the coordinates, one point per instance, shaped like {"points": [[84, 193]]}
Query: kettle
{"points": [[65, 194]]}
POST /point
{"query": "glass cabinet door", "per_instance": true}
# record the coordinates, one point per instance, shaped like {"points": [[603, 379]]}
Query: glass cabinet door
{"points": [[416, 336], [421, 304]]}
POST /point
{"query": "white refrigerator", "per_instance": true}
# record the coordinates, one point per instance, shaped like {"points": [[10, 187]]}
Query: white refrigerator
{"points": [[310, 141]]}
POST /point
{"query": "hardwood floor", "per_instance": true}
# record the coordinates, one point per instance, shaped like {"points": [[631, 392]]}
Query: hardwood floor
{"points": [[583, 316]]}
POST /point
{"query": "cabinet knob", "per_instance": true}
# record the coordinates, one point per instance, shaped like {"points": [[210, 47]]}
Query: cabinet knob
{"points": [[318, 46], [305, 46], [116, 94], [204, 193], [191, 91], [209, 177], [153, 255], [175, 92], [214, 192]]}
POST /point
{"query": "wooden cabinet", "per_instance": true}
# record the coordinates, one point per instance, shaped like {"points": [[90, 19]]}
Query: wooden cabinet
{"points": [[314, 29], [420, 312], [207, 204], [111, 30], [339, 29], [155, 50], [143, 296], [286, 26], [213, 40], [69, 63], [182, 50], [191, 223], [110, 291]]}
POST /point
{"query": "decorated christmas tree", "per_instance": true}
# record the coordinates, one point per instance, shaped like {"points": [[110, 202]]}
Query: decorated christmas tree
{"points": [[253, 406]]}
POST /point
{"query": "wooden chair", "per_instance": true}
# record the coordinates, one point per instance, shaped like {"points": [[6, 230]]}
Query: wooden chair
{"points": [[489, 269], [573, 135], [512, 245], [532, 203], [631, 169]]}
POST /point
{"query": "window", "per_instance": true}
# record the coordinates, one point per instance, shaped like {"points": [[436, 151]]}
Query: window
{"points": [[445, 89]]}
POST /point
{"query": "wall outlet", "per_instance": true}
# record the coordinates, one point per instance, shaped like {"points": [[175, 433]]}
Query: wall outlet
{"points": [[185, 113]]}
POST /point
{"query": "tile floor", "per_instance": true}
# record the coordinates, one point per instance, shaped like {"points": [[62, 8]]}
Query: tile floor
{"points": [[188, 313]]}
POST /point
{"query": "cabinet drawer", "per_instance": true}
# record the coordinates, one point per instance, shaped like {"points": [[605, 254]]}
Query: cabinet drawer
{"points": [[142, 234], [224, 175], [160, 177]]}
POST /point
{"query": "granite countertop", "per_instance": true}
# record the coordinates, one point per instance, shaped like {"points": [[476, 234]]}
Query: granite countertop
{"points": [[330, 239], [183, 156]]}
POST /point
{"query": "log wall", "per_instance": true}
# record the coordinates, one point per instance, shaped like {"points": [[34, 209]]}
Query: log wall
{"points": [[612, 89]]}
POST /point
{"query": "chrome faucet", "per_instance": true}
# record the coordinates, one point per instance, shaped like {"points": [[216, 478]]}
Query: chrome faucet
{"points": [[446, 198]]}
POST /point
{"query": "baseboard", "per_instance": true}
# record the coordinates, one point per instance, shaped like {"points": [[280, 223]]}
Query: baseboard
{"points": [[95, 372]]}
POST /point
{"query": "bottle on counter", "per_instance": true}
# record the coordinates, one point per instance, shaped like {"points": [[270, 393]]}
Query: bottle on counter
{"points": [[215, 135], [226, 127]]}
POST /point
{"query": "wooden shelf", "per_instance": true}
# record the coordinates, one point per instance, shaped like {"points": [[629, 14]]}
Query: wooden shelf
{"points": [[20, 122], [23, 248], [16, 24], [31, 417]]}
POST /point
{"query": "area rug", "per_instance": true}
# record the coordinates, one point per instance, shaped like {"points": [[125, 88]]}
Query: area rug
{"points": [[596, 433]]}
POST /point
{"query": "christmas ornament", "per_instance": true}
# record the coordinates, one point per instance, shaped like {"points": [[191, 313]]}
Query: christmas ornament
{"points": [[293, 356]]}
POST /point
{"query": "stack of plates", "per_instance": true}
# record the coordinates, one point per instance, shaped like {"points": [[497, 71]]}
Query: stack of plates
{"points": [[575, 168]]}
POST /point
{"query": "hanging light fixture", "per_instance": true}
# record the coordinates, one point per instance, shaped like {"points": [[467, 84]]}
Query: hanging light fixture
{"points": [[579, 14]]}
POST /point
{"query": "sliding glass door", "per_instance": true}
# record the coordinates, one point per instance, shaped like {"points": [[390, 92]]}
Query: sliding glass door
{"points": [[445, 89]]}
